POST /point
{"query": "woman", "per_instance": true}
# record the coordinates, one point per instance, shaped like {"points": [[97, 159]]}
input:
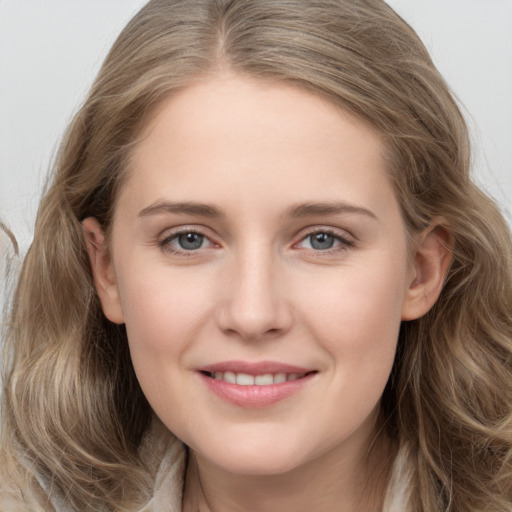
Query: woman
{"points": [[261, 239]]}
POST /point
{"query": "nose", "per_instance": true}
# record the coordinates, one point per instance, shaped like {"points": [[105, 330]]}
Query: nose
{"points": [[255, 305]]}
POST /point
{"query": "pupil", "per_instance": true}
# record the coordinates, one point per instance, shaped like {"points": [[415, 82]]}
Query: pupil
{"points": [[190, 241], [322, 241]]}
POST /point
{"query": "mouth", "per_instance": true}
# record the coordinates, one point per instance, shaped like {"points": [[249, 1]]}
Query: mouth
{"points": [[247, 379], [255, 384]]}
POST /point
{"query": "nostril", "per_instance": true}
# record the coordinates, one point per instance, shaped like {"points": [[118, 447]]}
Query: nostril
{"points": [[250, 316]]}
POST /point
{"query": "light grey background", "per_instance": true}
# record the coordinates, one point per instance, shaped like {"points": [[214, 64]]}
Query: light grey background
{"points": [[50, 51]]}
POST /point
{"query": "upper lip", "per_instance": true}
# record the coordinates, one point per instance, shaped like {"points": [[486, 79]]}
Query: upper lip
{"points": [[253, 368]]}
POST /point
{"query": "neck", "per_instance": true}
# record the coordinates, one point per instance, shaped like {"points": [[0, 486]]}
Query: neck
{"points": [[344, 484]]}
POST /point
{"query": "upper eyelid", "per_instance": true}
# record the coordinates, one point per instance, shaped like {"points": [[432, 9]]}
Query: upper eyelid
{"points": [[179, 230], [337, 232]]}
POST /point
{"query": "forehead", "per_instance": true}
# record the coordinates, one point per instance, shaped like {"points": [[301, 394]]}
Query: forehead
{"points": [[228, 137]]}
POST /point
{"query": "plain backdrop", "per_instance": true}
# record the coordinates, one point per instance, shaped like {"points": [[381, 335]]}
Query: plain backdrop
{"points": [[50, 51]]}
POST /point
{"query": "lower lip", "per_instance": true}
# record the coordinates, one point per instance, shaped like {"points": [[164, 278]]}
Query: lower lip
{"points": [[255, 396]]}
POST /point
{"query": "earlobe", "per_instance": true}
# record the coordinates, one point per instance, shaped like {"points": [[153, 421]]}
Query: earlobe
{"points": [[103, 270], [431, 260]]}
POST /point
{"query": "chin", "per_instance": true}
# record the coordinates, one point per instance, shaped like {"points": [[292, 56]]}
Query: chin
{"points": [[266, 465], [257, 456]]}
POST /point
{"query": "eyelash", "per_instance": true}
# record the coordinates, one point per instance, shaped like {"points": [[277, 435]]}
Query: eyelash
{"points": [[165, 243], [344, 243]]}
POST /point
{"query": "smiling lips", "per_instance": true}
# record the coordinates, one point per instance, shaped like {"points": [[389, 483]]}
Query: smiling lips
{"points": [[254, 385]]}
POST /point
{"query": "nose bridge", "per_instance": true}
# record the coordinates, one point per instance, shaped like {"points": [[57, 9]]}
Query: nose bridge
{"points": [[255, 304]]}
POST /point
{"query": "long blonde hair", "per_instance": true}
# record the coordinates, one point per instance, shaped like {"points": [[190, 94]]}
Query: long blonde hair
{"points": [[73, 413]]}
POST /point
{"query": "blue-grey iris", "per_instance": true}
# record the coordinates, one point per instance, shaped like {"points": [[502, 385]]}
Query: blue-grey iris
{"points": [[321, 241], [190, 241]]}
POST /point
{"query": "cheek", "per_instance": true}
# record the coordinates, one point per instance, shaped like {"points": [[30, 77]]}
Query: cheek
{"points": [[164, 314], [356, 317], [164, 311], [356, 302]]}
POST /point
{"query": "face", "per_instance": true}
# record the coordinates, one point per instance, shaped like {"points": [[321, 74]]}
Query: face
{"points": [[259, 260]]}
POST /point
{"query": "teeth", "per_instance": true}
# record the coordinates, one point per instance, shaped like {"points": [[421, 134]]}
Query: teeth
{"points": [[245, 379], [264, 380], [229, 377], [279, 377]]}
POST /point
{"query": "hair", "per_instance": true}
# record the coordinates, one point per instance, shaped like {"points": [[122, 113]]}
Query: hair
{"points": [[73, 413]]}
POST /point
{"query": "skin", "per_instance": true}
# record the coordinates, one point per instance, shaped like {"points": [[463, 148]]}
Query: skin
{"points": [[258, 288]]}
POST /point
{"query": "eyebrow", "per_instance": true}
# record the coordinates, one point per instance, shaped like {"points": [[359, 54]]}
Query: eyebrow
{"points": [[313, 209], [295, 211], [187, 208]]}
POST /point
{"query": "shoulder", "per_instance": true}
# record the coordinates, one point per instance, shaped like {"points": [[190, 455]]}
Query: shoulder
{"points": [[166, 457], [398, 495]]}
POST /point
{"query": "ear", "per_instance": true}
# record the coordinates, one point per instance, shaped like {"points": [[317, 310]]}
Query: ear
{"points": [[103, 270], [431, 259]]}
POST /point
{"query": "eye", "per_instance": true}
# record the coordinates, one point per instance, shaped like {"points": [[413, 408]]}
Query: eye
{"points": [[189, 241], [185, 242], [325, 240], [321, 241]]}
